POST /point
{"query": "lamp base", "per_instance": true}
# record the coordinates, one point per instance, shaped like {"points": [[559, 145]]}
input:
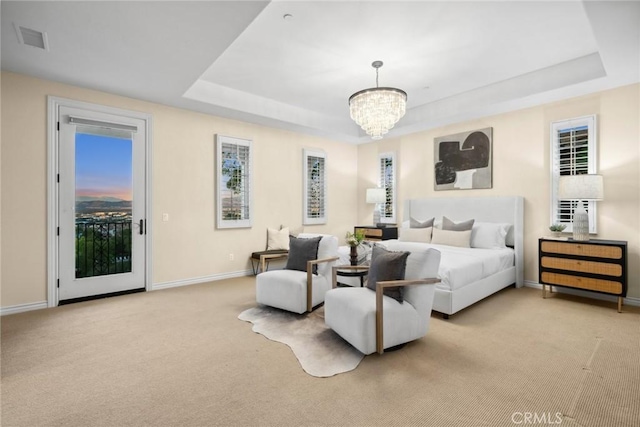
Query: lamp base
{"points": [[580, 223], [376, 217]]}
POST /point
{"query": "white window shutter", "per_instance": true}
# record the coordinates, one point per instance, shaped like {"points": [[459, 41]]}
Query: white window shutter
{"points": [[315, 187], [234, 182], [387, 181], [573, 152]]}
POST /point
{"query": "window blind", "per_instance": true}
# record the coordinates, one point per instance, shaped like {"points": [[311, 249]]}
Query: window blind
{"points": [[386, 180], [236, 167], [573, 153], [234, 185], [315, 203]]}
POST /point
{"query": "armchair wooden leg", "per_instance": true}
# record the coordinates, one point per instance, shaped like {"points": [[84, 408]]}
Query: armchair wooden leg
{"points": [[379, 322], [309, 287]]}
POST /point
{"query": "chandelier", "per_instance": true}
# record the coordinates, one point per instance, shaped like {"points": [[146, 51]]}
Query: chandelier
{"points": [[377, 109]]}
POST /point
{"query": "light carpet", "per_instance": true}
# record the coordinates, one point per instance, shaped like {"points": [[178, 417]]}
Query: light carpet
{"points": [[180, 357], [320, 351]]}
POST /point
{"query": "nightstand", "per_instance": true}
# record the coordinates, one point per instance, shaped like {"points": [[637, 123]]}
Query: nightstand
{"points": [[377, 233], [591, 265]]}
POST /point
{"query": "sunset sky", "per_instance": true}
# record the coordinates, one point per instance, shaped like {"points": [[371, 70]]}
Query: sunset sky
{"points": [[103, 167]]}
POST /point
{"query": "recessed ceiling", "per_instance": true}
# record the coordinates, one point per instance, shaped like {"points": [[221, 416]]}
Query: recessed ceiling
{"points": [[244, 60]]}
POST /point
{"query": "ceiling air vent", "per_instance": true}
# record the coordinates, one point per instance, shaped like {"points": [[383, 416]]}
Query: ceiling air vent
{"points": [[31, 37]]}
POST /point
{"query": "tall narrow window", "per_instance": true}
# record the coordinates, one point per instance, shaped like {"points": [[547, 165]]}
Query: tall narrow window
{"points": [[234, 182], [387, 180], [315, 187], [573, 152]]}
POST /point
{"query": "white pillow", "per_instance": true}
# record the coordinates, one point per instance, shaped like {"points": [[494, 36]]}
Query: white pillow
{"points": [[421, 235], [489, 235], [451, 238], [277, 239]]}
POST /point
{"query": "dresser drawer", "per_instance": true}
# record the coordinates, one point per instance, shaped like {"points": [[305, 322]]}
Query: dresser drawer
{"points": [[594, 267], [373, 233], [583, 249], [588, 283]]}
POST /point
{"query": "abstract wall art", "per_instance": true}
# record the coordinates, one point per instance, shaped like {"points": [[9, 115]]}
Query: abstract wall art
{"points": [[463, 160]]}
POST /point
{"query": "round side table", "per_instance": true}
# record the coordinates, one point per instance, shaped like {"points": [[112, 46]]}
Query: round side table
{"points": [[360, 272]]}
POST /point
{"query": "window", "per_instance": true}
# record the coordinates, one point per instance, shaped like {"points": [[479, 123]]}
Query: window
{"points": [[573, 152], [387, 180], [234, 182], [315, 187]]}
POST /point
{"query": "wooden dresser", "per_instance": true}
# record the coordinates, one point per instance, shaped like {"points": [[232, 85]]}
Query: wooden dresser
{"points": [[377, 233], [591, 265]]}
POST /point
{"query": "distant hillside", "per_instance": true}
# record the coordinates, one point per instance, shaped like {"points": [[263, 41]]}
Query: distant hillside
{"points": [[98, 198], [90, 206]]}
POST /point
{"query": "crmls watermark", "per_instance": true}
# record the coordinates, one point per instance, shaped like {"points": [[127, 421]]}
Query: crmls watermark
{"points": [[531, 418]]}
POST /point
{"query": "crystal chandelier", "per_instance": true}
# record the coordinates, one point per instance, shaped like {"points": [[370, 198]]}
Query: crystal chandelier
{"points": [[377, 109]]}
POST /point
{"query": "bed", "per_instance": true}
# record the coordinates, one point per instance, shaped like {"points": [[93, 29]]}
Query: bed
{"points": [[471, 274]]}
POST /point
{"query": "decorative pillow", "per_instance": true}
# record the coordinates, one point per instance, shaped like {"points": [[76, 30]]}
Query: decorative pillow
{"points": [[301, 251], [447, 224], [277, 239], [422, 235], [461, 239], [414, 223], [387, 265], [489, 235]]}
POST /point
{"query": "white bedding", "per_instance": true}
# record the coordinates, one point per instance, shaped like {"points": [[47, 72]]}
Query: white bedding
{"points": [[462, 266]]}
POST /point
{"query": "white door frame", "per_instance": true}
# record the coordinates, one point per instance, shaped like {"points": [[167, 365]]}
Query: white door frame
{"points": [[53, 104]]}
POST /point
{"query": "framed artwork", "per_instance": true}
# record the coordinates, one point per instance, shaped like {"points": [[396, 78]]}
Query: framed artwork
{"points": [[463, 161], [233, 183]]}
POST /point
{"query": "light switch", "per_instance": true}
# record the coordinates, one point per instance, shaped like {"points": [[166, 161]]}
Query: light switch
{"points": [[165, 217]]}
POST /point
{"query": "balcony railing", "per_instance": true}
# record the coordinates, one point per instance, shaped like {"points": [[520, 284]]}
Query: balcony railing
{"points": [[103, 248]]}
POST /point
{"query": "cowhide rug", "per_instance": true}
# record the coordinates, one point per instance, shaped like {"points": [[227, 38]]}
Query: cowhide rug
{"points": [[320, 351]]}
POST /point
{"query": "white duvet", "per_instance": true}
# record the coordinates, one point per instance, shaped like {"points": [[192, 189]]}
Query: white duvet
{"points": [[462, 266]]}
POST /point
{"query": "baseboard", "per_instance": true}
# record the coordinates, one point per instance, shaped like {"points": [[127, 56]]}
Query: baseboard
{"points": [[203, 279], [635, 302], [21, 308]]}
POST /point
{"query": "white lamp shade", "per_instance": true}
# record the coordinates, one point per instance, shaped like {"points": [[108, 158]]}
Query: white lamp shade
{"points": [[581, 187], [376, 195]]}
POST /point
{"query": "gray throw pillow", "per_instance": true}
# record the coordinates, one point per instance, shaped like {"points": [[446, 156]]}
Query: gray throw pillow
{"points": [[414, 223], [301, 251], [387, 265], [447, 224]]}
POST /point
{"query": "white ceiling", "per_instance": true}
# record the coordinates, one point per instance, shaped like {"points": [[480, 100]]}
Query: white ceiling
{"points": [[244, 60]]}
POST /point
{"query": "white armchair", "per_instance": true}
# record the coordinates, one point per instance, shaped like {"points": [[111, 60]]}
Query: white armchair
{"points": [[300, 291], [371, 321]]}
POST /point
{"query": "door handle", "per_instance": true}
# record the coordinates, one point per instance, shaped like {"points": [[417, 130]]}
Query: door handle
{"points": [[142, 226]]}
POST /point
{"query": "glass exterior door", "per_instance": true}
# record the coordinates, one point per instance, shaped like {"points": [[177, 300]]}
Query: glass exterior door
{"points": [[102, 199]]}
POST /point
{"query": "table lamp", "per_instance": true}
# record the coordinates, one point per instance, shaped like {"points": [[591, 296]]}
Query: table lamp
{"points": [[581, 188], [375, 196]]}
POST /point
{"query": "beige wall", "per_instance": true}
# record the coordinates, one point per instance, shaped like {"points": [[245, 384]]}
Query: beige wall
{"points": [[188, 246], [521, 162]]}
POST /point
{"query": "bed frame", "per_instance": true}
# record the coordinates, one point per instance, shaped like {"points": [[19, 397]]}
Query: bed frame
{"points": [[482, 209]]}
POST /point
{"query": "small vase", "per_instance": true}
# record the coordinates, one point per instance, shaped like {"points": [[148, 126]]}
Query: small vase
{"points": [[353, 255]]}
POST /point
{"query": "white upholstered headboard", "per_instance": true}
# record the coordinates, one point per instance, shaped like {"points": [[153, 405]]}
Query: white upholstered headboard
{"points": [[482, 209]]}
